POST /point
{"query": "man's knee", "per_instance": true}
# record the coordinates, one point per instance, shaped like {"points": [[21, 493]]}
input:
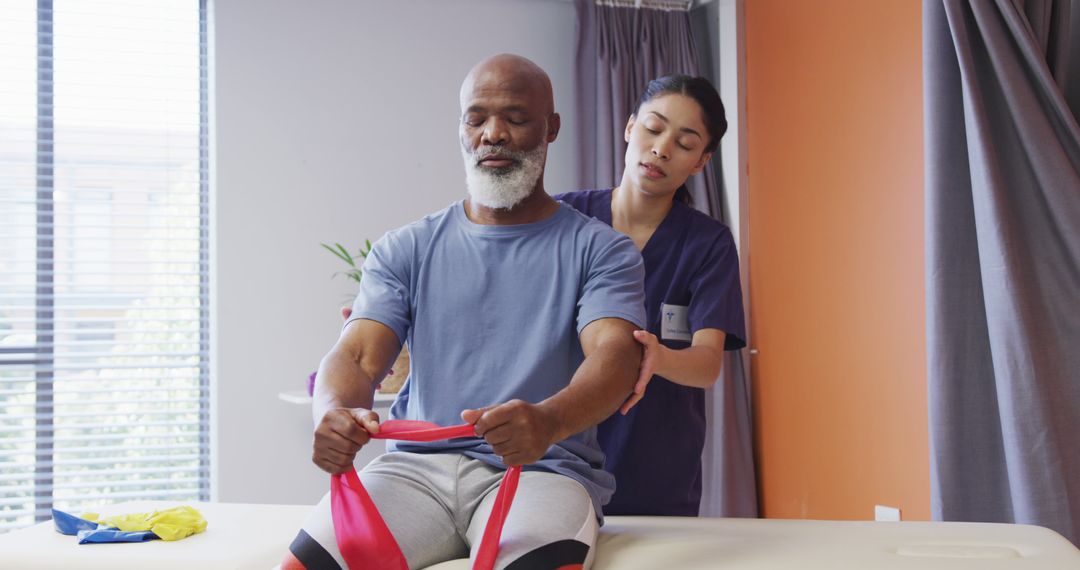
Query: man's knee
{"points": [[566, 554], [305, 553], [552, 524], [315, 545]]}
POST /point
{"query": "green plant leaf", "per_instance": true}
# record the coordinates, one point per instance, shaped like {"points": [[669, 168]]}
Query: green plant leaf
{"points": [[335, 252], [345, 253], [339, 251]]}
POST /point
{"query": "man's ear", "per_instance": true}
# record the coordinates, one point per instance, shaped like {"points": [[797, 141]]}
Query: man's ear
{"points": [[554, 123], [629, 127]]}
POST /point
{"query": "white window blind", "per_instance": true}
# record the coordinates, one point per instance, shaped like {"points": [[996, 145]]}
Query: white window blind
{"points": [[104, 392]]}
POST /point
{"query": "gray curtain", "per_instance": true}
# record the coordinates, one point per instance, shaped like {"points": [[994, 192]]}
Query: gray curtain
{"points": [[729, 487], [619, 51], [1002, 91]]}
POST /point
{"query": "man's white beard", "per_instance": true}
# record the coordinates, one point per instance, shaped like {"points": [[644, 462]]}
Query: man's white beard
{"points": [[503, 188]]}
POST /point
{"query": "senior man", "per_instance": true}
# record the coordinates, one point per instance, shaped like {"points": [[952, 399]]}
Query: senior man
{"points": [[519, 313]]}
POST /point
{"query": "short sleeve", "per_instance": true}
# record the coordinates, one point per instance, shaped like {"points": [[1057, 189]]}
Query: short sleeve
{"points": [[614, 284], [716, 293], [588, 202], [385, 293]]}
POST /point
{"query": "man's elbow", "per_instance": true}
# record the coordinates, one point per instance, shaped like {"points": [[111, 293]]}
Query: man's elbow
{"points": [[624, 358]]}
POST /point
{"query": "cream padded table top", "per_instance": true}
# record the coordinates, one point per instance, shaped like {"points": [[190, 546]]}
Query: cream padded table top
{"points": [[237, 536], [255, 536], [674, 543]]}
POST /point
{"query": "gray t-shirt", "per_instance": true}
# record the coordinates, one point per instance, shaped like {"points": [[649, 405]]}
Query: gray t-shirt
{"points": [[493, 313]]}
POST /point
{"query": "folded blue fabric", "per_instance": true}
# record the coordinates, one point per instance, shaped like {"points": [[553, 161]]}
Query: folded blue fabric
{"points": [[90, 532], [70, 524], [106, 534]]}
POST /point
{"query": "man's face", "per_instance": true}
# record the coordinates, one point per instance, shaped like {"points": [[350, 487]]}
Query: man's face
{"points": [[504, 134]]}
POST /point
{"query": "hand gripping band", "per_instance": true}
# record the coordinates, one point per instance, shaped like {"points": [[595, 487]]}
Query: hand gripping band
{"points": [[362, 535]]}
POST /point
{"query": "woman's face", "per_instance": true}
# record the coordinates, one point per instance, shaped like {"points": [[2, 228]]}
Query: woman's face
{"points": [[665, 144]]}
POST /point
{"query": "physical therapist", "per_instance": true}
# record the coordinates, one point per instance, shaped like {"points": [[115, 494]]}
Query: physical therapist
{"points": [[693, 297]]}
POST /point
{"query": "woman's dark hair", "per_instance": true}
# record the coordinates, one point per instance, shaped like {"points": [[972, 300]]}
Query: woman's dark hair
{"points": [[700, 90]]}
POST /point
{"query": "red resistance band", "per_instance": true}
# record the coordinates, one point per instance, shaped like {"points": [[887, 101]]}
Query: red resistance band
{"points": [[362, 535]]}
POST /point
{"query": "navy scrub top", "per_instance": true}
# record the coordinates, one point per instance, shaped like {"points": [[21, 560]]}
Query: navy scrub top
{"points": [[692, 275]]}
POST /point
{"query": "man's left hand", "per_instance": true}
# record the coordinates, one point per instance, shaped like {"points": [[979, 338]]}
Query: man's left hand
{"points": [[518, 432]]}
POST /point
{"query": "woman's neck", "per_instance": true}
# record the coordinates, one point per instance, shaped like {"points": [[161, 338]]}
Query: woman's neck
{"points": [[636, 213]]}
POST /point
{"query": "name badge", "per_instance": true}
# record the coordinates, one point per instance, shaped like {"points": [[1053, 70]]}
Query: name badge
{"points": [[675, 322]]}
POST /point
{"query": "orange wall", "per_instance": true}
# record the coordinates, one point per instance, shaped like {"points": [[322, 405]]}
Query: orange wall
{"points": [[834, 119]]}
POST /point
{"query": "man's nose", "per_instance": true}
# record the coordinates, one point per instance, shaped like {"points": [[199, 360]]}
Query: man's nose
{"points": [[495, 132]]}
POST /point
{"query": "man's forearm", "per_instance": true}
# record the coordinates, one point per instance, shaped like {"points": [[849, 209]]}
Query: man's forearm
{"points": [[600, 385], [341, 382]]}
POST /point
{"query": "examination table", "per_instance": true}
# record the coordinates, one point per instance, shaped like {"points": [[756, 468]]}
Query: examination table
{"points": [[246, 536]]}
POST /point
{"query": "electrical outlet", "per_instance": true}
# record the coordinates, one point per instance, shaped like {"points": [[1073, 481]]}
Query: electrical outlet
{"points": [[887, 514]]}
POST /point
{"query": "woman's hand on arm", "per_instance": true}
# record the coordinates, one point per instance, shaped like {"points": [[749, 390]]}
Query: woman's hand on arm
{"points": [[698, 365]]}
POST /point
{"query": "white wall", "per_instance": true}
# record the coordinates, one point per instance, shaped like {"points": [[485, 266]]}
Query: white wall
{"points": [[334, 121]]}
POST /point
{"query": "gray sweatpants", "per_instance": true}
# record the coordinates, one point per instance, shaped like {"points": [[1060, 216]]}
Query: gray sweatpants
{"points": [[437, 505]]}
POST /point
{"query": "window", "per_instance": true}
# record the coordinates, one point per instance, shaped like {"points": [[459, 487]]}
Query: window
{"points": [[104, 372]]}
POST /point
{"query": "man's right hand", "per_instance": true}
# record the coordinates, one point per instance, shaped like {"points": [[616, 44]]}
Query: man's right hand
{"points": [[340, 434]]}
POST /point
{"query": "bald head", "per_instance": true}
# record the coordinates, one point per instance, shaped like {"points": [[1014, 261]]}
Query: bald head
{"points": [[513, 75]]}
